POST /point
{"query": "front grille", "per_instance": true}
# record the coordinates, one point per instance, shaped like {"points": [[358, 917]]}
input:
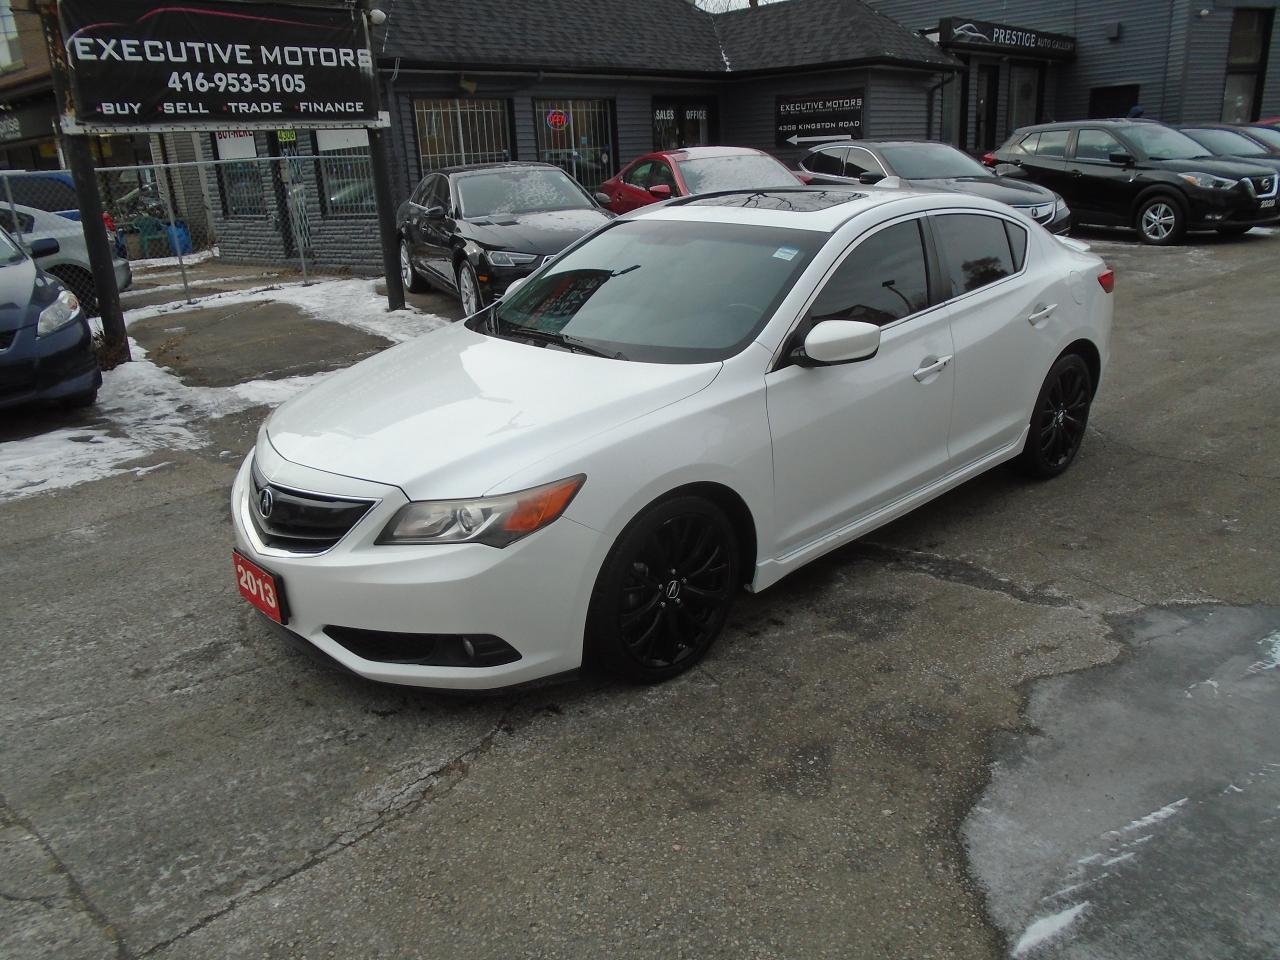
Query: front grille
{"points": [[1040, 212], [6, 338], [302, 522], [1264, 187]]}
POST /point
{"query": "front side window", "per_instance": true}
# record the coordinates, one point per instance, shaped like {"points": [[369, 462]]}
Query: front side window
{"points": [[346, 179], [737, 172], [1094, 144], [1052, 144], [16, 222], [884, 279], [638, 176], [975, 249], [861, 161], [662, 175], [658, 291], [829, 161], [519, 190]]}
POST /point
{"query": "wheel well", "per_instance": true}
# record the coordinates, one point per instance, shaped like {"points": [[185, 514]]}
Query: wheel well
{"points": [[1164, 190], [739, 515], [1087, 352]]}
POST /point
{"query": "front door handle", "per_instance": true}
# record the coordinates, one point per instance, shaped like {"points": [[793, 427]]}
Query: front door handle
{"points": [[928, 368], [1041, 313]]}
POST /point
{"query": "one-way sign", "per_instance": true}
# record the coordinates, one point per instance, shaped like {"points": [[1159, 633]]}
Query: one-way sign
{"points": [[816, 117]]}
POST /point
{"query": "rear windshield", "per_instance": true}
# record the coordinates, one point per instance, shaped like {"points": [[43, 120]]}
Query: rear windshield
{"points": [[657, 291], [1228, 143], [741, 172]]}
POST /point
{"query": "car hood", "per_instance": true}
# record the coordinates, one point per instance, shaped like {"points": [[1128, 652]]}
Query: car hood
{"points": [[1218, 166], [1004, 189], [543, 233], [23, 288], [453, 413]]}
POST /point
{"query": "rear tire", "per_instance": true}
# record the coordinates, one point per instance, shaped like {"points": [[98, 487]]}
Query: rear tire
{"points": [[79, 282], [1234, 231], [1059, 419], [664, 592], [408, 272], [1160, 221]]}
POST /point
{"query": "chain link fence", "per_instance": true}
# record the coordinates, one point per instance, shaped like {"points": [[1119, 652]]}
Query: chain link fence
{"points": [[310, 212]]}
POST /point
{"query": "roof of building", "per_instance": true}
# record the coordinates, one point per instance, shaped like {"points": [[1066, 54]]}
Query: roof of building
{"points": [[647, 36]]}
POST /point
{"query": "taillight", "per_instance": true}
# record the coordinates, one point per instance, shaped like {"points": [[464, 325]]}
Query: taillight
{"points": [[108, 222], [802, 177], [1107, 279], [989, 159]]}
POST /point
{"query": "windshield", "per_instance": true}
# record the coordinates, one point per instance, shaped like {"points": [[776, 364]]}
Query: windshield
{"points": [[657, 291], [931, 161], [1162, 143], [519, 190], [1266, 135], [740, 172], [10, 252], [1228, 143]]}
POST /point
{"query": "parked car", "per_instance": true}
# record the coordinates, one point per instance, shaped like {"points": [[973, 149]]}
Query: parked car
{"points": [[1142, 174], [701, 395], [937, 166], [46, 347], [1265, 133], [70, 263], [680, 173], [1230, 143], [471, 230], [55, 192]]}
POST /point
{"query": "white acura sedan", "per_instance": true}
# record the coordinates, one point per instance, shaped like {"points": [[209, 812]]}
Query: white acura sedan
{"points": [[701, 397]]}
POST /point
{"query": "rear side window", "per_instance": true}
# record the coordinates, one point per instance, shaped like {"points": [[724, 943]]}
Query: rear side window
{"points": [[1025, 147], [975, 249], [1053, 143], [1017, 244], [884, 279], [826, 161]]}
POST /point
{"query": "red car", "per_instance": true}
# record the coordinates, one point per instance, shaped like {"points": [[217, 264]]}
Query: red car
{"points": [[678, 173]]}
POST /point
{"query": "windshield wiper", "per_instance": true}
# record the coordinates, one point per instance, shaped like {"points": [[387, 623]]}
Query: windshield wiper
{"points": [[547, 338]]}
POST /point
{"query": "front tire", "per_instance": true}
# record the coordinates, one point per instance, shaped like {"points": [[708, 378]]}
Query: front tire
{"points": [[408, 272], [1059, 420], [664, 592], [469, 289], [1160, 221]]}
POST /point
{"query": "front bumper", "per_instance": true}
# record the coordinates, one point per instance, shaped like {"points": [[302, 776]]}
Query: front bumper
{"points": [[1230, 208], [38, 369], [495, 280], [532, 594]]}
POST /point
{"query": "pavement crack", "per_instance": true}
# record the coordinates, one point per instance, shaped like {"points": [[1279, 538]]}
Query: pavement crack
{"points": [[76, 892], [959, 571], [1189, 461], [432, 785]]}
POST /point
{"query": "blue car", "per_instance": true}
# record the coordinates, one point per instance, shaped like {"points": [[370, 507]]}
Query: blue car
{"points": [[46, 347]]}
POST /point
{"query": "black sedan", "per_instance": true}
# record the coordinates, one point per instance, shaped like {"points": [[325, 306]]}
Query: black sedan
{"points": [[472, 230], [937, 166], [46, 348]]}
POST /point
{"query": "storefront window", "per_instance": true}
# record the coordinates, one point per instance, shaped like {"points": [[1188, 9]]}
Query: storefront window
{"points": [[240, 184], [453, 132], [1246, 65], [577, 136], [10, 48], [346, 180], [682, 123]]}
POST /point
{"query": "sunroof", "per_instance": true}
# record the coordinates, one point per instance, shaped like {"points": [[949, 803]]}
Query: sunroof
{"points": [[799, 201]]}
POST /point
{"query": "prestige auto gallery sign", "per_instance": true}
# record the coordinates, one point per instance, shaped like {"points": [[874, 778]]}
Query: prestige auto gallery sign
{"points": [[139, 63], [811, 118], [966, 34]]}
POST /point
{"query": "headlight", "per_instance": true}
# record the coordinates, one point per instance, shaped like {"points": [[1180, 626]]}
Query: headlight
{"points": [[1059, 207], [58, 314], [495, 521], [506, 258], [1208, 181]]}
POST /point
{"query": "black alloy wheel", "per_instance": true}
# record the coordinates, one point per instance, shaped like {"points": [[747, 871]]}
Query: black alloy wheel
{"points": [[1059, 420], [664, 592]]}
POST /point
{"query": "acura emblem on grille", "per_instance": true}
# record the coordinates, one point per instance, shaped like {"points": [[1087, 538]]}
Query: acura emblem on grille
{"points": [[266, 502]]}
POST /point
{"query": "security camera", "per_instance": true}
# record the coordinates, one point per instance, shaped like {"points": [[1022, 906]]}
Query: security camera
{"points": [[377, 17]]}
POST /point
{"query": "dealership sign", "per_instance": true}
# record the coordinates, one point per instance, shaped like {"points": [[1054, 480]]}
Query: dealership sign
{"points": [[812, 118], [134, 63], [964, 34]]}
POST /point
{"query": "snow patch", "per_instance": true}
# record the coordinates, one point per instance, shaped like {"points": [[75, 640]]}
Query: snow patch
{"points": [[1156, 816], [1270, 645], [1203, 683], [1046, 928], [173, 261]]}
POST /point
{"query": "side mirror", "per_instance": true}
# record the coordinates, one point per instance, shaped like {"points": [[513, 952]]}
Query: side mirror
{"points": [[838, 341], [602, 198], [870, 177], [513, 286], [434, 213], [1010, 170], [1124, 159], [44, 247], [661, 191]]}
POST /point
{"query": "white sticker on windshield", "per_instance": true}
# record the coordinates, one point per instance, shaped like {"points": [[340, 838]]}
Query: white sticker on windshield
{"points": [[786, 253]]}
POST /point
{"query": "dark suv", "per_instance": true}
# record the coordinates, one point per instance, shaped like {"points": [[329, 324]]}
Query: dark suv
{"points": [[1142, 174]]}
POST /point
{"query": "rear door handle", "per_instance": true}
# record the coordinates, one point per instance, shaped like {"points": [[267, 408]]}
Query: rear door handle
{"points": [[928, 369], [1041, 313]]}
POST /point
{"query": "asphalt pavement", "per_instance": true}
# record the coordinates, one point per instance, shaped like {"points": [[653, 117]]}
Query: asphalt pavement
{"points": [[908, 750]]}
